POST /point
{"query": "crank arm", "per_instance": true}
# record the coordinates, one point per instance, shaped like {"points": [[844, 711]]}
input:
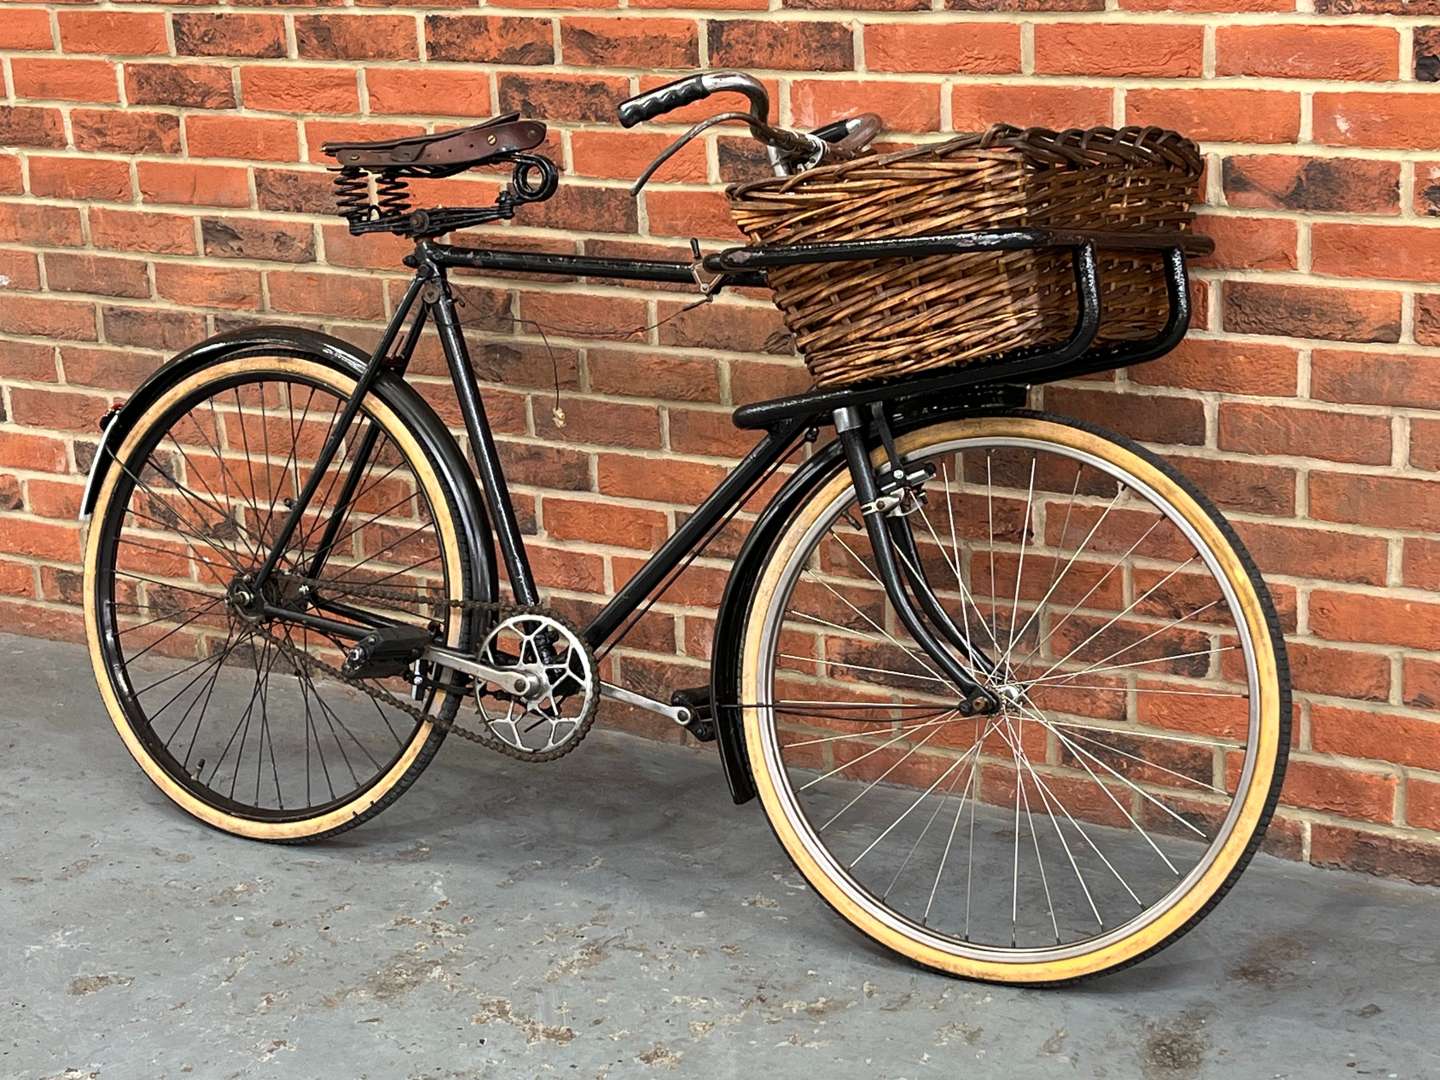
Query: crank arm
{"points": [[510, 680], [678, 713]]}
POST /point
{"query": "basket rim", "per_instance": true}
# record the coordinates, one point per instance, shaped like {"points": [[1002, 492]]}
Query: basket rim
{"points": [[1073, 148]]}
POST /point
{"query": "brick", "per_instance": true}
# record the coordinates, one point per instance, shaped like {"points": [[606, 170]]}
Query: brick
{"points": [[110, 369], [11, 182], [21, 270], [1174, 420], [127, 230], [975, 106], [53, 499], [602, 423], [1401, 252], [206, 34], [1316, 553], [1364, 796], [26, 28], [1295, 51], [114, 33], [1319, 669], [304, 292], [1422, 803], [1384, 501], [49, 226], [1374, 853], [64, 80], [193, 185], [26, 450], [1025, 5], [1425, 444], [27, 360], [1375, 378], [580, 315], [905, 106], [152, 328], [792, 46], [1253, 307], [605, 523], [647, 43], [1391, 120], [191, 86], [689, 213], [562, 97], [41, 540], [299, 89], [356, 37], [621, 155], [632, 476], [56, 409], [708, 433], [1333, 185], [208, 286], [1425, 195], [1249, 486], [1427, 53], [1118, 49], [748, 329], [489, 39], [25, 126], [1261, 116], [1420, 563], [47, 317], [1249, 243], [982, 49], [423, 91], [1227, 367], [102, 274], [1335, 436], [80, 178], [1427, 318], [247, 238], [245, 138], [127, 131], [661, 375], [1420, 688], [1377, 620], [292, 191]]}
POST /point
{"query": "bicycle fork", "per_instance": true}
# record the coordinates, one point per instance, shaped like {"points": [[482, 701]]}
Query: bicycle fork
{"points": [[897, 563]]}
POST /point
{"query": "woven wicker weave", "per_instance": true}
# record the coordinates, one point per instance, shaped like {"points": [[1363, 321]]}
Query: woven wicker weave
{"points": [[884, 319]]}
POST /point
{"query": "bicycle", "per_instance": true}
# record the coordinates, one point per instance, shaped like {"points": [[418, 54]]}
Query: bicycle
{"points": [[956, 626]]}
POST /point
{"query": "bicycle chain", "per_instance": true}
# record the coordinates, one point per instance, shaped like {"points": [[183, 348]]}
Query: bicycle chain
{"points": [[447, 725]]}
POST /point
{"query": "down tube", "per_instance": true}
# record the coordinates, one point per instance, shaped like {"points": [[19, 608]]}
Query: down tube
{"points": [[771, 449]]}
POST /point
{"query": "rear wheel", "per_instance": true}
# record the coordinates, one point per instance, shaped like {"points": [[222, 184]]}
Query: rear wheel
{"points": [[1140, 747], [204, 689]]}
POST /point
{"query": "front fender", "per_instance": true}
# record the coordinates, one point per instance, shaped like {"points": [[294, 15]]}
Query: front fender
{"points": [[303, 343]]}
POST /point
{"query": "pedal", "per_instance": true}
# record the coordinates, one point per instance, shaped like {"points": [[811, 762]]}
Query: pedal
{"points": [[387, 651], [702, 716]]}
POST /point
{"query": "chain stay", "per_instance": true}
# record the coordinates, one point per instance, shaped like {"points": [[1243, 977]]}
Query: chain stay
{"points": [[449, 726]]}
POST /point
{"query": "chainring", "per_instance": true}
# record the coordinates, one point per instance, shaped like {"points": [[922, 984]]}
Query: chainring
{"points": [[550, 721]]}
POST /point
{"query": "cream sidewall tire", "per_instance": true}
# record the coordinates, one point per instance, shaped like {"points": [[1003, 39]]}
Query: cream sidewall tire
{"points": [[440, 507], [1253, 807]]}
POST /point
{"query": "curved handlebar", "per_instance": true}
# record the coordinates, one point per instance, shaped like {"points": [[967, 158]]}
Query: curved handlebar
{"points": [[693, 88]]}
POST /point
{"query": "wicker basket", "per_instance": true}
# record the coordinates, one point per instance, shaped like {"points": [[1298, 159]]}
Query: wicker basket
{"points": [[864, 321]]}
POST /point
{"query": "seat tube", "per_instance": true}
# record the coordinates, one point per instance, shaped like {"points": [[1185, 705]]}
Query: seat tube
{"points": [[482, 442]]}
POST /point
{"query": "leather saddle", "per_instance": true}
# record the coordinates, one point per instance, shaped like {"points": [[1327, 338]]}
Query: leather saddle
{"points": [[449, 150]]}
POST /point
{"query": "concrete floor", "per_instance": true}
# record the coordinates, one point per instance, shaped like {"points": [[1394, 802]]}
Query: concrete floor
{"points": [[611, 915]]}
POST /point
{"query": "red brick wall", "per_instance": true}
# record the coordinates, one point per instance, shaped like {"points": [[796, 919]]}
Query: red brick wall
{"points": [[160, 180]]}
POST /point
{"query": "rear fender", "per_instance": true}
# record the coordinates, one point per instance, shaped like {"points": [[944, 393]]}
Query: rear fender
{"points": [[302, 343]]}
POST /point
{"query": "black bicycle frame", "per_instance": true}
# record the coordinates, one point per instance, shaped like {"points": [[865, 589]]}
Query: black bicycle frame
{"points": [[785, 421]]}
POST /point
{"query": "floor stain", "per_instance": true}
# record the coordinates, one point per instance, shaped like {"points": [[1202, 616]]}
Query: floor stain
{"points": [[660, 1054], [1175, 1049], [88, 984], [1270, 962], [500, 1009]]}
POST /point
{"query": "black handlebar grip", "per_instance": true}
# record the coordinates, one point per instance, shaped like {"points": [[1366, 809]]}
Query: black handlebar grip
{"points": [[662, 99]]}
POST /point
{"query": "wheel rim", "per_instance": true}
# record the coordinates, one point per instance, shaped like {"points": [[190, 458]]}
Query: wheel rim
{"points": [[1035, 787], [217, 464]]}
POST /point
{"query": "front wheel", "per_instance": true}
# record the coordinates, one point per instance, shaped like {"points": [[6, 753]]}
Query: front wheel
{"points": [[1140, 747]]}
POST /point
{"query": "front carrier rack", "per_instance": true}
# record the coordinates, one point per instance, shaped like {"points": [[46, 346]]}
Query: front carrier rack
{"points": [[1078, 354]]}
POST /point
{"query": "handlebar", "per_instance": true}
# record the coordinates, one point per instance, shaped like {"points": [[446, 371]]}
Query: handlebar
{"points": [[790, 151], [693, 88]]}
